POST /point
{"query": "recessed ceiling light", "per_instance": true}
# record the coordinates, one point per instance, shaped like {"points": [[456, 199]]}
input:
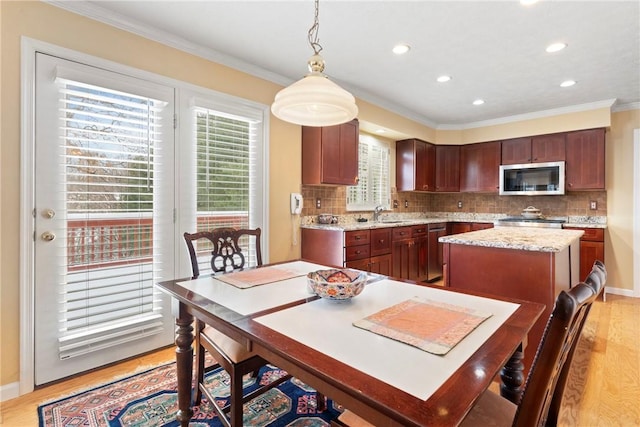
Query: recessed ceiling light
{"points": [[400, 49], [478, 102], [380, 131], [556, 47], [528, 2], [567, 83], [443, 79]]}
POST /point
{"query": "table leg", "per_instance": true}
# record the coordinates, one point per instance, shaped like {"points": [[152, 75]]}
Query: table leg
{"points": [[512, 376], [184, 365]]}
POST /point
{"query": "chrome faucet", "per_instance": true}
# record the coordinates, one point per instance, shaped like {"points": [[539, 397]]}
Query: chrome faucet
{"points": [[376, 212]]}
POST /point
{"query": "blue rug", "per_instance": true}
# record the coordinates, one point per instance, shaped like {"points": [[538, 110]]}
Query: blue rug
{"points": [[149, 399]]}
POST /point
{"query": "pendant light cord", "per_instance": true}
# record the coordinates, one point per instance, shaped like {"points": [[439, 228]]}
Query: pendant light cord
{"points": [[313, 32]]}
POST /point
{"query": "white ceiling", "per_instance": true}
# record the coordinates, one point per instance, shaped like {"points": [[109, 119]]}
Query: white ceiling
{"points": [[494, 50]]}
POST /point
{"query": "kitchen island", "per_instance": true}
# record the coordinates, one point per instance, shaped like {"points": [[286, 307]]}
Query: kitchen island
{"points": [[531, 264]]}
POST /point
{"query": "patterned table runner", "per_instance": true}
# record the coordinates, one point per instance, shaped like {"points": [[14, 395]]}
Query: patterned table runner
{"points": [[432, 326], [257, 276]]}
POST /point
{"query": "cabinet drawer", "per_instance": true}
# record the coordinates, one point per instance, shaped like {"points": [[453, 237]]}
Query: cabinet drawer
{"points": [[359, 237], [590, 234], [401, 233], [352, 253], [419, 230], [380, 241]]}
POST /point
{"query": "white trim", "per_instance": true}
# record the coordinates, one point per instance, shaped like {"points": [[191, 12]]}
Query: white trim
{"points": [[608, 103], [625, 107], [27, 194], [636, 212], [9, 391], [29, 47], [623, 292]]}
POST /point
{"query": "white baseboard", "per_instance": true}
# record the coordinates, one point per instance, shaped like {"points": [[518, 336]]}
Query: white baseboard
{"points": [[620, 291], [9, 391]]}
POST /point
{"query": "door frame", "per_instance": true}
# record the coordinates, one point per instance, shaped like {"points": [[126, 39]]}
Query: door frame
{"points": [[636, 213]]}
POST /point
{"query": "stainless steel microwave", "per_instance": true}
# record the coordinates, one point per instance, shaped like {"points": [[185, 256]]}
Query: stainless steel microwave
{"points": [[532, 179]]}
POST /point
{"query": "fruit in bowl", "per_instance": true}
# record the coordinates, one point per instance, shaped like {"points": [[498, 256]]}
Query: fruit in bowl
{"points": [[336, 284]]}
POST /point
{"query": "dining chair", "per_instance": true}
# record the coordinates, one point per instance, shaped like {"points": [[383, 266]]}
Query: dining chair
{"points": [[224, 247], [562, 331]]}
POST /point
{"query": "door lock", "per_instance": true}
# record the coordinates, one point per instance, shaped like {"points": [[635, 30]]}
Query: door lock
{"points": [[48, 213], [47, 236]]}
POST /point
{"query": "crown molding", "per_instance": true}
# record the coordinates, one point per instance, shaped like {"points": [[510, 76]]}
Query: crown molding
{"points": [[93, 11], [625, 107], [533, 115]]}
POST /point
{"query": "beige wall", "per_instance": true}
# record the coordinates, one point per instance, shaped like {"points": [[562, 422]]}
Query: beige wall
{"points": [[53, 25]]}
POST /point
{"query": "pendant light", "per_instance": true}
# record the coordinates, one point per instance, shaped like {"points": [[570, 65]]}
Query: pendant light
{"points": [[314, 100]]}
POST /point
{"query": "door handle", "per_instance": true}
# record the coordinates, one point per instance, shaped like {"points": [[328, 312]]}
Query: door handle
{"points": [[47, 236]]}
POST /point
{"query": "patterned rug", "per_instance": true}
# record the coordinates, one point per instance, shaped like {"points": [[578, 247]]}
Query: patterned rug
{"points": [[149, 399]]}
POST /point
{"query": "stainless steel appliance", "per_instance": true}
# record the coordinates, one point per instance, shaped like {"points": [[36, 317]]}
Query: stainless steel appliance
{"points": [[532, 179], [520, 221]]}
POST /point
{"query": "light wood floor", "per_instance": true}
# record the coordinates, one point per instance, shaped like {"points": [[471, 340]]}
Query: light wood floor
{"points": [[604, 388]]}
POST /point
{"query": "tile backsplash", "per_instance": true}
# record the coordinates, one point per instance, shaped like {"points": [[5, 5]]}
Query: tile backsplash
{"points": [[577, 203]]}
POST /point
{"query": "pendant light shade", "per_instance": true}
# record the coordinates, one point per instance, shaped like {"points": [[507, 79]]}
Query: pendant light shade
{"points": [[314, 100]]}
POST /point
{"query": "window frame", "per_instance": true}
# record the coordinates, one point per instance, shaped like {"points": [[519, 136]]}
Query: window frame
{"points": [[368, 204]]}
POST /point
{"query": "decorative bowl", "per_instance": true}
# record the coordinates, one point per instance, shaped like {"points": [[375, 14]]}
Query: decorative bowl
{"points": [[336, 284]]}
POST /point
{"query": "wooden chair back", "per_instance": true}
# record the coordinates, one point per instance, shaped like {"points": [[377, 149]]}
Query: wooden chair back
{"points": [[226, 252], [562, 331], [596, 280]]}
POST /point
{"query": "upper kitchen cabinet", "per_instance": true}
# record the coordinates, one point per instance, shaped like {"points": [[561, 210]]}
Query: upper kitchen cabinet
{"points": [[535, 149], [415, 165], [479, 167], [330, 154], [448, 168], [585, 160]]}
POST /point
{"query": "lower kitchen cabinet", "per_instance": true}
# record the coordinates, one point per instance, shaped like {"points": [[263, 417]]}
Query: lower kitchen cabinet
{"points": [[367, 250], [591, 249], [464, 227], [409, 252]]}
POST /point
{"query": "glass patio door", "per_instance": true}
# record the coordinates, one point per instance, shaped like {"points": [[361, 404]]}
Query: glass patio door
{"points": [[103, 220]]}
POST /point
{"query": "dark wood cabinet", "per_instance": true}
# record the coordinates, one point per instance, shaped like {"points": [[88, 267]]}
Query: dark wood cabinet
{"points": [[585, 160], [330, 154], [448, 168], [465, 227], [591, 249], [479, 167], [415, 165], [367, 250], [409, 252], [534, 149]]}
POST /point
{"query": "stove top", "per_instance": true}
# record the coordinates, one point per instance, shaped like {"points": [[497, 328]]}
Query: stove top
{"points": [[519, 221]]}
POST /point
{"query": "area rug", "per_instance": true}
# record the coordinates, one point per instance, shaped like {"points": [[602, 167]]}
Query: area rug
{"points": [[149, 399]]}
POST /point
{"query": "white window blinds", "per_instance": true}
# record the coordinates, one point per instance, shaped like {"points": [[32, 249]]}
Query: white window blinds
{"points": [[227, 175], [111, 145], [373, 187]]}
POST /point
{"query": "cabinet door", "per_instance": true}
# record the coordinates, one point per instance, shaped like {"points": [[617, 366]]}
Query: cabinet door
{"points": [[548, 148], [479, 167], [330, 154], [516, 151], [419, 259], [460, 227], [448, 168], [585, 160], [589, 252], [381, 265], [361, 264], [475, 226], [415, 165]]}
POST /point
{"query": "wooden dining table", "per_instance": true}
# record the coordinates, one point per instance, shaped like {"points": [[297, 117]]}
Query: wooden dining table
{"points": [[384, 380]]}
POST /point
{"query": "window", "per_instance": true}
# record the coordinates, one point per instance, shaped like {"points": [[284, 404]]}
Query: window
{"points": [[226, 153], [373, 187]]}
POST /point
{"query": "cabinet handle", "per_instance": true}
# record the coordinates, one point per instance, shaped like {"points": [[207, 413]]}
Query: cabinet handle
{"points": [[381, 241], [357, 237], [358, 252]]}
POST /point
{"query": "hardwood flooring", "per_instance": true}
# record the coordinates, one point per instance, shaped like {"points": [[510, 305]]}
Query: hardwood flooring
{"points": [[603, 390]]}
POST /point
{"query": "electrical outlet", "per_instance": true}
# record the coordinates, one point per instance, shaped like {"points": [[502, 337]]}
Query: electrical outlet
{"points": [[593, 205], [395, 204], [406, 203], [459, 204], [318, 203]]}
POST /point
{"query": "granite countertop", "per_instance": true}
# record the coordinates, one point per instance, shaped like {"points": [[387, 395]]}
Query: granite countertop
{"points": [[522, 238], [349, 222]]}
